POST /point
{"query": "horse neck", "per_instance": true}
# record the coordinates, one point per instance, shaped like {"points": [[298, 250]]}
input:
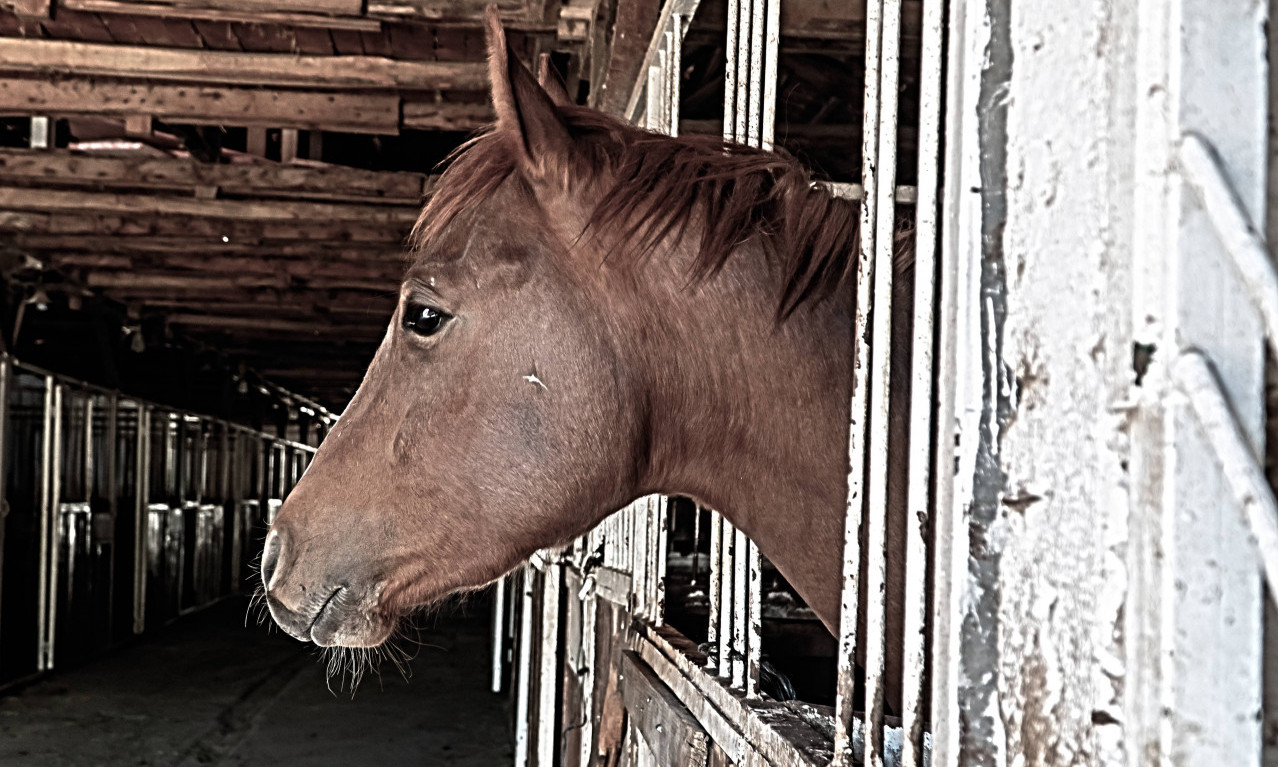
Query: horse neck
{"points": [[751, 419]]}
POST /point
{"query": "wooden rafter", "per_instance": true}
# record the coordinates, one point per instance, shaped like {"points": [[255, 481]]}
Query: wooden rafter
{"points": [[331, 182], [205, 67]]}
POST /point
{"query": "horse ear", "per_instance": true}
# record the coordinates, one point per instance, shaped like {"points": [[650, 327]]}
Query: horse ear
{"points": [[549, 80], [524, 111]]}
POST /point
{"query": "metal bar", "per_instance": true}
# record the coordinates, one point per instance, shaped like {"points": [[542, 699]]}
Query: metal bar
{"points": [[741, 116], [754, 620], [726, 589], [771, 52], [663, 542], [524, 687], [740, 603], [1202, 171], [654, 111], [674, 57], [6, 373], [42, 579], [714, 588], [548, 683], [857, 433], [754, 88], [55, 523], [1237, 460], [880, 395], [730, 51], [918, 510], [499, 609], [143, 476]]}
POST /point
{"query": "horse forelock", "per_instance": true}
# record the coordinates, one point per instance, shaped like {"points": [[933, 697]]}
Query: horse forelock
{"points": [[656, 187]]}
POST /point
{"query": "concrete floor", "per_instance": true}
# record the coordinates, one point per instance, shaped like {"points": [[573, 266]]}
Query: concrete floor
{"points": [[207, 691]]}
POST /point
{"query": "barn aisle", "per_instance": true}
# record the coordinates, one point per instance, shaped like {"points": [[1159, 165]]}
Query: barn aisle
{"points": [[208, 691]]}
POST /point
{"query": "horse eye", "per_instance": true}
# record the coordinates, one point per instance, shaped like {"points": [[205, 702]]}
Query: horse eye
{"points": [[424, 320]]}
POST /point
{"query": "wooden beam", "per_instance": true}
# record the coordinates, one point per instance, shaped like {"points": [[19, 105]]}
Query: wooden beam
{"points": [[388, 274], [668, 728], [430, 115], [206, 67], [274, 325], [306, 250], [205, 105], [233, 16], [332, 182], [58, 200], [135, 284], [288, 145], [129, 226]]}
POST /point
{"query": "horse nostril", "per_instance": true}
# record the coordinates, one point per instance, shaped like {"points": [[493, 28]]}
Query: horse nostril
{"points": [[271, 557]]}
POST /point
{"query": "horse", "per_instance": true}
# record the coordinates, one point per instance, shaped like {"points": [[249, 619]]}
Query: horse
{"points": [[593, 313]]}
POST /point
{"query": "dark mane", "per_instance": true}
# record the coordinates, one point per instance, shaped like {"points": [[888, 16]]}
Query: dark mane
{"points": [[658, 185]]}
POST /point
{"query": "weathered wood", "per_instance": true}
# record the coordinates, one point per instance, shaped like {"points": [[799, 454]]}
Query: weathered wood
{"points": [[163, 225], [288, 145], [307, 251], [671, 732], [207, 67], [32, 9], [388, 273], [330, 182], [349, 112], [430, 115], [135, 284], [274, 325], [300, 19], [632, 29], [51, 200]]}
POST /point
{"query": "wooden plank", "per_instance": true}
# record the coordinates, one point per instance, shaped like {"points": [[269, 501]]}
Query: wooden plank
{"points": [[352, 23], [163, 225], [450, 116], [632, 29], [32, 9], [274, 325], [51, 200], [322, 7], [669, 729], [309, 250], [387, 274], [208, 105], [228, 68]]}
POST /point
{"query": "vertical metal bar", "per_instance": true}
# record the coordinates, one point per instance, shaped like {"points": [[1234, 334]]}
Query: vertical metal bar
{"points": [[730, 73], [589, 628], [548, 681], [754, 620], [143, 475], [661, 506], [754, 89], [523, 692], [55, 522], [881, 369], [726, 576], [857, 432], [740, 603], [713, 589], [674, 59], [771, 53], [926, 224], [499, 608], [41, 133], [653, 112], [112, 492], [88, 446], [741, 119], [42, 580], [6, 373]]}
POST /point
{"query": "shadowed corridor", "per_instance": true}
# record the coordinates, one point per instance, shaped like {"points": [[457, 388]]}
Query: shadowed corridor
{"points": [[208, 691]]}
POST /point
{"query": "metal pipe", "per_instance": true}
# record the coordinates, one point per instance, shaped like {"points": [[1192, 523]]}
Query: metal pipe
{"points": [[880, 395], [730, 52], [754, 88], [1238, 462], [726, 590], [918, 510], [42, 576], [771, 53], [143, 478], [663, 541], [754, 621], [740, 603], [6, 373], [1201, 169], [55, 523], [523, 689], [499, 609], [713, 589], [857, 431], [548, 683]]}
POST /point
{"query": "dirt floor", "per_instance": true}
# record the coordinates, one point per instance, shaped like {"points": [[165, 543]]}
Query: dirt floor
{"points": [[208, 691]]}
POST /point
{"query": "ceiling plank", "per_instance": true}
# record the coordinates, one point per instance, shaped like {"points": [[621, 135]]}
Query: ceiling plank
{"points": [[210, 105], [299, 19], [333, 182], [310, 250], [207, 67], [59, 200], [130, 226]]}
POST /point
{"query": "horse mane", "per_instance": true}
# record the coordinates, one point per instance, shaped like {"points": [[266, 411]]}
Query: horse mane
{"points": [[659, 185]]}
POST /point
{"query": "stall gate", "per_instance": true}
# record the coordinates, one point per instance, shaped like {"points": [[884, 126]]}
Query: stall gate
{"points": [[1089, 516], [121, 515]]}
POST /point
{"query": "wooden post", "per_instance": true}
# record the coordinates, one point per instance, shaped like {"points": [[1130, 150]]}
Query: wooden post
{"points": [[288, 145], [256, 144]]}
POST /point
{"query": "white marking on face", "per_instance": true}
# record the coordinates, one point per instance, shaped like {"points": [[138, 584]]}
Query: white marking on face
{"points": [[534, 380]]}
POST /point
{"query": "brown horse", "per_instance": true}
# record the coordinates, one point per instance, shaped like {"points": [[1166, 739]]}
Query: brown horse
{"points": [[594, 313]]}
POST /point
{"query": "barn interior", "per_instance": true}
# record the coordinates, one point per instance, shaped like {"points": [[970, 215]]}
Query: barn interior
{"points": [[203, 206]]}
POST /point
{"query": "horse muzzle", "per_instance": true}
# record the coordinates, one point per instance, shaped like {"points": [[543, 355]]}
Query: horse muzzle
{"points": [[329, 612]]}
